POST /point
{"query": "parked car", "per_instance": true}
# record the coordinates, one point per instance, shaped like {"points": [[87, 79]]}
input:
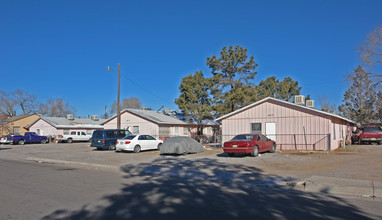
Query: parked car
{"points": [[107, 139], [4, 140], [180, 146], [249, 143], [28, 137], [138, 143], [371, 134], [74, 136]]}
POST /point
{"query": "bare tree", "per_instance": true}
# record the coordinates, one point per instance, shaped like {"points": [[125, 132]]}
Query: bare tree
{"points": [[325, 104], [7, 104], [371, 49], [25, 101], [55, 108], [131, 102]]}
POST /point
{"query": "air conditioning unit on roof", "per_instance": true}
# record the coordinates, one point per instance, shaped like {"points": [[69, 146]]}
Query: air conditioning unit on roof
{"points": [[70, 116], [95, 117], [309, 103], [299, 99]]}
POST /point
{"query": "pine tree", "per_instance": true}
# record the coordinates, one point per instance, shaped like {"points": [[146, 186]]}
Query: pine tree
{"points": [[360, 98]]}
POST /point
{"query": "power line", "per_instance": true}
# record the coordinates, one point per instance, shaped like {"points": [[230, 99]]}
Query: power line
{"points": [[143, 88]]}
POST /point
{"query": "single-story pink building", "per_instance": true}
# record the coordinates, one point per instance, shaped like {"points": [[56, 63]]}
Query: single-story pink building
{"points": [[293, 126], [160, 124], [54, 126]]}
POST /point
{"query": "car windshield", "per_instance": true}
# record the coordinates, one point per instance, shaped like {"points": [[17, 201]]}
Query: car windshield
{"points": [[372, 129], [130, 137], [247, 137]]}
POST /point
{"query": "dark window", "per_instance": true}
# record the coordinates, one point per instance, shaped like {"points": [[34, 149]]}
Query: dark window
{"points": [[263, 138], [110, 134], [372, 129], [73, 133], [256, 128], [142, 137], [120, 134], [130, 137], [98, 135], [243, 137], [150, 137]]}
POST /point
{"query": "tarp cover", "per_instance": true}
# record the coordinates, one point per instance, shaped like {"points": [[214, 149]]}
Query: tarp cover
{"points": [[181, 145]]}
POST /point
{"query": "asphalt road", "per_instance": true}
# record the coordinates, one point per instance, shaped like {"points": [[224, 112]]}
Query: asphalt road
{"points": [[165, 188]]}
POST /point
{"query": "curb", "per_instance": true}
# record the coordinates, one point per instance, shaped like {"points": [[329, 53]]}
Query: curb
{"points": [[362, 188], [73, 163]]}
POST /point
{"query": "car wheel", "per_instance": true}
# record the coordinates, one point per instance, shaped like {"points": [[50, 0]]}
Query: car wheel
{"points": [[69, 140], [137, 149], [43, 141], [273, 148], [231, 154], [255, 151], [159, 145], [112, 147], [21, 142]]}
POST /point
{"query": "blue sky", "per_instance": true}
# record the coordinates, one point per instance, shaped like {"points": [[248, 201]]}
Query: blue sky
{"points": [[61, 49]]}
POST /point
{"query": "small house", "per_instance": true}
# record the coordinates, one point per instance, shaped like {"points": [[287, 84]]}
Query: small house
{"points": [[54, 126], [16, 124], [293, 125], [161, 124]]}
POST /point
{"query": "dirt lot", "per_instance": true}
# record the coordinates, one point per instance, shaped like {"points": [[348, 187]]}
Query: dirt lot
{"points": [[362, 162], [352, 162]]}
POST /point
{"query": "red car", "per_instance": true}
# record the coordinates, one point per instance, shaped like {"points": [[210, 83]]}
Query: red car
{"points": [[371, 134], [249, 143]]}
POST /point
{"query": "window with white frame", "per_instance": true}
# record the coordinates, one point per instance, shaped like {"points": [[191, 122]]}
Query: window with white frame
{"points": [[334, 131], [135, 129], [186, 130], [176, 131], [256, 128], [16, 130], [164, 131]]}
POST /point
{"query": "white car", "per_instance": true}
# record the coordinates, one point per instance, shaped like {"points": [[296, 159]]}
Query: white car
{"points": [[137, 143]]}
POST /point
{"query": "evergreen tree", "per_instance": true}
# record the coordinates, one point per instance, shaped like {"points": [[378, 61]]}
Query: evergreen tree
{"points": [[194, 100], [360, 98], [233, 73], [272, 87]]}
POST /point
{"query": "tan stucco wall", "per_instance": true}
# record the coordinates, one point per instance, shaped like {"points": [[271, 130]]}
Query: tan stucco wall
{"points": [[21, 123]]}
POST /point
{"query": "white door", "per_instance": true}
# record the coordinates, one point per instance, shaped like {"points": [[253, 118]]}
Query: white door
{"points": [[270, 130]]}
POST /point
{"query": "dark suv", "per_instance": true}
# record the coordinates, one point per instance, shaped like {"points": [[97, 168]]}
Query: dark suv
{"points": [[107, 139], [371, 134]]}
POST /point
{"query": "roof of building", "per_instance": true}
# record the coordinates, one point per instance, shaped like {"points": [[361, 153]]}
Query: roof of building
{"points": [[153, 116], [61, 122], [284, 102], [166, 117], [15, 118]]}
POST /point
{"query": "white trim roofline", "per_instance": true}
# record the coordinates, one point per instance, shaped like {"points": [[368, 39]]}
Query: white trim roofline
{"points": [[284, 102]]}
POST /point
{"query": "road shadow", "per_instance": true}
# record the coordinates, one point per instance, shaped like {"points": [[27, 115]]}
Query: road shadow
{"points": [[180, 188]]}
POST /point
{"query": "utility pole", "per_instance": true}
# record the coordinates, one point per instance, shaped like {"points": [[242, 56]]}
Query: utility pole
{"points": [[118, 107]]}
